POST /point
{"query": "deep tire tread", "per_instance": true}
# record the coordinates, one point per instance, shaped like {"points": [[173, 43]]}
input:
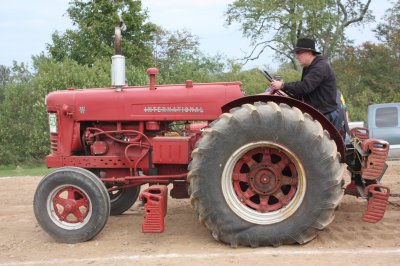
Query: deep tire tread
{"points": [[292, 122]]}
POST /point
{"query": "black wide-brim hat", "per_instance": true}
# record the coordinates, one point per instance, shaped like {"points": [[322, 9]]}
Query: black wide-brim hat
{"points": [[305, 44]]}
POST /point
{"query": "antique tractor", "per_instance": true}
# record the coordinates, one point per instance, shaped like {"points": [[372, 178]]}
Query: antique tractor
{"points": [[259, 170]]}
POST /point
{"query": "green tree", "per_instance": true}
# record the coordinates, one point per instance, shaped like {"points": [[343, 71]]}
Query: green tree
{"points": [[16, 95], [276, 24], [5, 73], [173, 48], [18, 73], [371, 73], [178, 57], [389, 31], [366, 75], [93, 37]]}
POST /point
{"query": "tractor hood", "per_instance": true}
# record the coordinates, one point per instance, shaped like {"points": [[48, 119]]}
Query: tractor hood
{"points": [[163, 102]]}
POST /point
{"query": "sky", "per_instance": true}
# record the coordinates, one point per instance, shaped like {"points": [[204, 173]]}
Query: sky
{"points": [[26, 26]]}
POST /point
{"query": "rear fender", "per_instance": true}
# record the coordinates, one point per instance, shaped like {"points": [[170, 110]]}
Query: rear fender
{"points": [[305, 108]]}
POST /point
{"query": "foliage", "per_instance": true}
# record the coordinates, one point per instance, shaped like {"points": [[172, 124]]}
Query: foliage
{"points": [[5, 73], [370, 73], [173, 48], [93, 37], [367, 75], [178, 58], [389, 32], [276, 25]]}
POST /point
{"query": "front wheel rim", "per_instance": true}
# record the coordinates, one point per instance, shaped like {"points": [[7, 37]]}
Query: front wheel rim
{"points": [[69, 207], [263, 182]]}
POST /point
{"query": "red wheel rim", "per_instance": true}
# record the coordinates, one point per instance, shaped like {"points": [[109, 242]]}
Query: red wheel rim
{"points": [[265, 179], [263, 182], [71, 205]]}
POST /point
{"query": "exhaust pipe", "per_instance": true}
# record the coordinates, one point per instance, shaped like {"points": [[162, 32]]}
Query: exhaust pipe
{"points": [[118, 62]]}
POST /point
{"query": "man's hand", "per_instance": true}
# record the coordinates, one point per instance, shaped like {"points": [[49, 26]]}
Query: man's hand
{"points": [[276, 84]]}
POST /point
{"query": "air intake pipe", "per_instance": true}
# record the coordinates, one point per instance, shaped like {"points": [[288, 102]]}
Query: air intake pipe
{"points": [[118, 62]]}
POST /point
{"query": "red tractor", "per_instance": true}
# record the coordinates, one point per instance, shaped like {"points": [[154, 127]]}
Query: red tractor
{"points": [[259, 170]]}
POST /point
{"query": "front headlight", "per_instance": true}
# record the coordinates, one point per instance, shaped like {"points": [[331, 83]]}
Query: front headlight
{"points": [[53, 122]]}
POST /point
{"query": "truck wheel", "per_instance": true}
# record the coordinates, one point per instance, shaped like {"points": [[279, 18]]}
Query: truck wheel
{"points": [[265, 174], [71, 204], [121, 200]]}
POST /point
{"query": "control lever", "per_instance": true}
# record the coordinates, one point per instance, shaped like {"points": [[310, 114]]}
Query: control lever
{"points": [[266, 75]]}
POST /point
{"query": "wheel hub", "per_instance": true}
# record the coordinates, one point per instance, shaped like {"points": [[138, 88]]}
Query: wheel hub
{"points": [[70, 205], [263, 180]]}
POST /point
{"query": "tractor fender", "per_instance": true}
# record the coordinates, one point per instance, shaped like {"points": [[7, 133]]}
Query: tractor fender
{"points": [[305, 108]]}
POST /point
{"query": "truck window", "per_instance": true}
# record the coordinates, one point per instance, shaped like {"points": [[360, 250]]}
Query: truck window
{"points": [[387, 117]]}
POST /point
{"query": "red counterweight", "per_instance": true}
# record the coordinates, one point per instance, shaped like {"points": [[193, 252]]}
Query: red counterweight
{"points": [[155, 204]]}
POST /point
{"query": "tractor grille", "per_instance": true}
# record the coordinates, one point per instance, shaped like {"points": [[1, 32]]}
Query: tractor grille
{"points": [[54, 142]]}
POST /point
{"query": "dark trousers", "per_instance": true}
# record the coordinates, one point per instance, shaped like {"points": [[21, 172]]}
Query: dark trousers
{"points": [[335, 119]]}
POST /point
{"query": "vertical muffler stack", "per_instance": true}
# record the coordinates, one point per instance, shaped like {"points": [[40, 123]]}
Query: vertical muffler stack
{"points": [[118, 62]]}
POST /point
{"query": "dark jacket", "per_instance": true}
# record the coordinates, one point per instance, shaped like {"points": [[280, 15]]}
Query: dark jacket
{"points": [[317, 86]]}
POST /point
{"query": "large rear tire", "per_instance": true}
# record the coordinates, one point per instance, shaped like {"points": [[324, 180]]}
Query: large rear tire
{"points": [[265, 174], [71, 204]]}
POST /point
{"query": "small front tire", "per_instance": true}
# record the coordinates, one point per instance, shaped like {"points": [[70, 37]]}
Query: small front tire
{"points": [[71, 204]]}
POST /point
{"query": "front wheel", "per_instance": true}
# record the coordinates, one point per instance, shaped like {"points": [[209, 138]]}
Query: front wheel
{"points": [[71, 204], [265, 174]]}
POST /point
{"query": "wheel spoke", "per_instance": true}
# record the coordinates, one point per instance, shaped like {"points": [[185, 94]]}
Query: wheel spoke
{"points": [[282, 164], [248, 194], [59, 201], [266, 156], [81, 202], [266, 207], [70, 193], [63, 215], [245, 196], [239, 165], [250, 161], [283, 199], [239, 177], [287, 180], [279, 194], [80, 216]]}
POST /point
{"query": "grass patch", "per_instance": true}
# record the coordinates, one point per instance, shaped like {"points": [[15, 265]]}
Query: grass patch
{"points": [[24, 171]]}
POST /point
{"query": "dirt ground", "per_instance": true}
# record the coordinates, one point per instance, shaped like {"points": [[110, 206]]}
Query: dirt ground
{"points": [[348, 240]]}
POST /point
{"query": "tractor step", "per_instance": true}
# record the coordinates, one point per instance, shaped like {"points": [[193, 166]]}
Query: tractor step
{"points": [[377, 202], [154, 200]]}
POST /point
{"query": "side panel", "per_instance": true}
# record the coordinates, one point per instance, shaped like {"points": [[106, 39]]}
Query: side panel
{"points": [[171, 150]]}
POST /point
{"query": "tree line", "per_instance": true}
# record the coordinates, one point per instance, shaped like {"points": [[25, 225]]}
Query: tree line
{"points": [[80, 58]]}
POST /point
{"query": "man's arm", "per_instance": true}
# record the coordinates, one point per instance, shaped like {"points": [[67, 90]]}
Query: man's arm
{"points": [[310, 82]]}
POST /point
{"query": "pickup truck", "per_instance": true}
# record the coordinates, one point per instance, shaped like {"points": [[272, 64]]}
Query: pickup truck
{"points": [[384, 123]]}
